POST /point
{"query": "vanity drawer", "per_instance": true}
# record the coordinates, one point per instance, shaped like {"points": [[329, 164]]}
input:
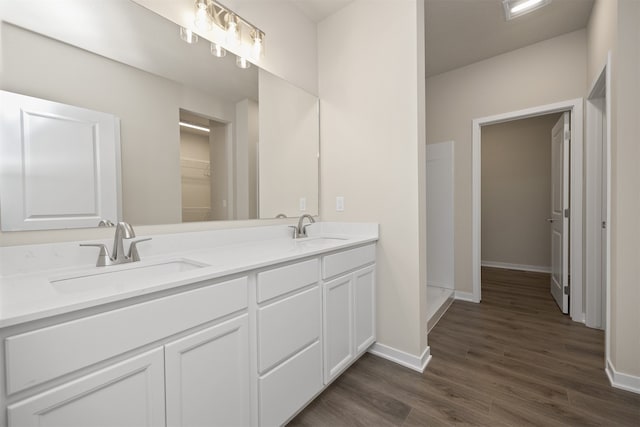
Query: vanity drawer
{"points": [[290, 386], [44, 354], [341, 262], [287, 326], [279, 281]]}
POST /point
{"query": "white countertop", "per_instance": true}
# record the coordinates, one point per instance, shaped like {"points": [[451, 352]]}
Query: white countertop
{"points": [[27, 292]]}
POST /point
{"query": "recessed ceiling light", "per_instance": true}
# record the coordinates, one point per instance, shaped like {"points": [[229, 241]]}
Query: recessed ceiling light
{"points": [[192, 126], [516, 8]]}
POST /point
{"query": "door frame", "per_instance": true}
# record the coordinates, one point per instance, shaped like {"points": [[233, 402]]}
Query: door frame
{"points": [[575, 106], [600, 90]]}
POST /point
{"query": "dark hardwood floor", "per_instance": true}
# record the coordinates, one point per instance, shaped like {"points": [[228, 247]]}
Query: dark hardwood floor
{"points": [[513, 360]]}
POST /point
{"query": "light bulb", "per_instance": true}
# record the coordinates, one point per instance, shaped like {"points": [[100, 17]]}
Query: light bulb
{"points": [[188, 36], [202, 20], [242, 62], [232, 30], [217, 50], [257, 45]]}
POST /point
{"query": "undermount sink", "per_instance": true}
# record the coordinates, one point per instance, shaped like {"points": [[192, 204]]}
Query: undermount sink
{"points": [[90, 280]]}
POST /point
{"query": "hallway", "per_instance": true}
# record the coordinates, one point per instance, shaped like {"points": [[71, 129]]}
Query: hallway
{"points": [[513, 359]]}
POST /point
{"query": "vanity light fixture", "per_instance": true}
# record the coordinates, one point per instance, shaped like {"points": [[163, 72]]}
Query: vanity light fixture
{"points": [[516, 8], [228, 30], [191, 126], [217, 50], [188, 36]]}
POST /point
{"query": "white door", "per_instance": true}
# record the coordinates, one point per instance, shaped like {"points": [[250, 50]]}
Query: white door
{"points": [[59, 165], [207, 376], [129, 393], [560, 212]]}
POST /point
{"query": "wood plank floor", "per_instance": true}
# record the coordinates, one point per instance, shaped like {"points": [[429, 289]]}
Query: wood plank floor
{"points": [[513, 360]]}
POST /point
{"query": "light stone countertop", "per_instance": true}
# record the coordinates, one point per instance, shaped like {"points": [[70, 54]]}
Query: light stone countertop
{"points": [[30, 292]]}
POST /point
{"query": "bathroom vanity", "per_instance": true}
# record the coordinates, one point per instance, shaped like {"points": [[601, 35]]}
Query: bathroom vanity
{"points": [[229, 327]]}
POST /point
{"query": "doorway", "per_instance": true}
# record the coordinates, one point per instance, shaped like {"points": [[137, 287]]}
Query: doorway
{"points": [[203, 168], [575, 107]]}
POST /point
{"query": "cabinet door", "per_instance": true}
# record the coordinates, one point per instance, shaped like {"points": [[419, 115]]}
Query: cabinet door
{"points": [[365, 302], [207, 376], [338, 326], [129, 393]]}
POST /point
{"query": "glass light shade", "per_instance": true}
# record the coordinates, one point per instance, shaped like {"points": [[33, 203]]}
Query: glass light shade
{"points": [[258, 46], [217, 50], [202, 20], [188, 36], [233, 36], [242, 62]]}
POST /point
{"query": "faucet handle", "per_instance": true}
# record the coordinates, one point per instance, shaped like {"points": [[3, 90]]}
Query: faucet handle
{"points": [[295, 231], [133, 249], [103, 256]]}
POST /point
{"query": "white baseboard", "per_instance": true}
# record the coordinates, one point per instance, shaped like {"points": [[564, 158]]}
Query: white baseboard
{"points": [[522, 267], [622, 381], [401, 358], [465, 296], [440, 284]]}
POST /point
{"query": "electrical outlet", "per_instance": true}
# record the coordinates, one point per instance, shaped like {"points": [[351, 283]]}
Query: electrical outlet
{"points": [[339, 203], [303, 204]]}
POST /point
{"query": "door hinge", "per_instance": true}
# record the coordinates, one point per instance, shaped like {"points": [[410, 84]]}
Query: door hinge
{"points": [[567, 290], [567, 135], [604, 224], [566, 213]]}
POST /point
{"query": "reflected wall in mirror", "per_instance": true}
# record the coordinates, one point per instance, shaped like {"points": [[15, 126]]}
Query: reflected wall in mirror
{"points": [[145, 75]]}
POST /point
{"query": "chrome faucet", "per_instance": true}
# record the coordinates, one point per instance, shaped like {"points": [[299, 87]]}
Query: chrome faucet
{"points": [[300, 230], [123, 231]]}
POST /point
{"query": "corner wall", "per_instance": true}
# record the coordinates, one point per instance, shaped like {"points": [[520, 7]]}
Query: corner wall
{"points": [[371, 85], [539, 74]]}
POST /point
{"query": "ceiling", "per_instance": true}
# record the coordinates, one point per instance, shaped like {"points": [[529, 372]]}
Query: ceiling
{"points": [[317, 10], [461, 32]]}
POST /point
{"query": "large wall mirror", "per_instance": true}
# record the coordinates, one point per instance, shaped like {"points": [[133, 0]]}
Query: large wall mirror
{"points": [[200, 138]]}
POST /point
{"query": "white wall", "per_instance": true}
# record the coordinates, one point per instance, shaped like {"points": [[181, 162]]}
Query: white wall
{"points": [[516, 192], [371, 75], [543, 73], [245, 152], [288, 149], [625, 197]]}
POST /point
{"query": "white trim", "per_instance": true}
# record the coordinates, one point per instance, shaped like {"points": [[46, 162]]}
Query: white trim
{"points": [[521, 267], [466, 296], [440, 284], [600, 90], [622, 381], [575, 245], [401, 358]]}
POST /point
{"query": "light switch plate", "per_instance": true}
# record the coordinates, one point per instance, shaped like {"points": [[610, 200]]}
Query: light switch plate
{"points": [[303, 204], [339, 203]]}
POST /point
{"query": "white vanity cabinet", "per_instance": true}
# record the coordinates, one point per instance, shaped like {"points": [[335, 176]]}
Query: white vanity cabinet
{"points": [[289, 320], [203, 376], [349, 307], [207, 376], [252, 349], [128, 393]]}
